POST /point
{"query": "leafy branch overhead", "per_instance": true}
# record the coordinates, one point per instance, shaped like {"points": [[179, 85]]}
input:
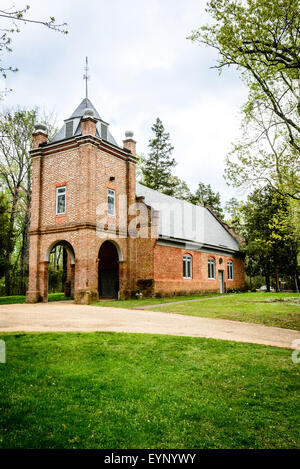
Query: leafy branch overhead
{"points": [[262, 41], [10, 25]]}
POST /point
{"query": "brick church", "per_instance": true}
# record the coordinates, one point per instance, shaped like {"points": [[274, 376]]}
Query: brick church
{"points": [[120, 238]]}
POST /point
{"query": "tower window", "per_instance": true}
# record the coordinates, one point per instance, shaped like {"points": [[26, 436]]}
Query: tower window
{"points": [[69, 129], [211, 269], [230, 270], [111, 202], [61, 200], [187, 266]]}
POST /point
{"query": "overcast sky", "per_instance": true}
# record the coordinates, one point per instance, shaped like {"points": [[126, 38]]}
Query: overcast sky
{"points": [[141, 67]]}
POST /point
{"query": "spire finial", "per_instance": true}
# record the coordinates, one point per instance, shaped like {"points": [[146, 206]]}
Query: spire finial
{"points": [[86, 77]]}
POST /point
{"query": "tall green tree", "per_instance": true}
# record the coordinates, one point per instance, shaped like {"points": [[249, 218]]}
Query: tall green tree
{"points": [[233, 215], [261, 40], [157, 166], [6, 237], [204, 195], [16, 129], [271, 235]]}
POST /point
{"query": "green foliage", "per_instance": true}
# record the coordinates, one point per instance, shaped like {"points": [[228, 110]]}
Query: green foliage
{"points": [[6, 236], [16, 129], [157, 167], [204, 195], [261, 40], [179, 189], [271, 235], [108, 390], [233, 215]]}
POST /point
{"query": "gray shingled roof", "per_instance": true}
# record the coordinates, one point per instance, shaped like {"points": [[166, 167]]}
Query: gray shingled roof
{"points": [[77, 116], [85, 104], [181, 220]]}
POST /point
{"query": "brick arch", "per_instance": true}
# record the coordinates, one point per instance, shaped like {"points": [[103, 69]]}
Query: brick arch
{"points": [[117, 246], [66, 245], [187, 253]]}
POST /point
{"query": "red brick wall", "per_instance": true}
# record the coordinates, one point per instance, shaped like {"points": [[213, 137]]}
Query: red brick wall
{"points": [[85, 166], [85, 169], [168, 272]]}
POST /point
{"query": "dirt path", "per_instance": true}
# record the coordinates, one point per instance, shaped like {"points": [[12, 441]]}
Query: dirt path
{"points": [[67, 316]]}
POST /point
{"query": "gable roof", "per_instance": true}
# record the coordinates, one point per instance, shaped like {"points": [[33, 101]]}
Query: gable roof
{"points": [[76, 116], [181, 220]]}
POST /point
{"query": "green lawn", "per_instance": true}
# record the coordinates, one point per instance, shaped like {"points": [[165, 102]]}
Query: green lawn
{"points": [[109, 390], [271, 309], [149, 301], [9, 300]]}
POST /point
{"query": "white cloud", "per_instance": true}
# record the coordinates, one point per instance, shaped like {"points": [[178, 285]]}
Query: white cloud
{"points": [[141, 67]]}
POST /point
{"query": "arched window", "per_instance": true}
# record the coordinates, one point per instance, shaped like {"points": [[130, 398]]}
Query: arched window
{"points": [[211, 268], [230, 270], [187, 266]]}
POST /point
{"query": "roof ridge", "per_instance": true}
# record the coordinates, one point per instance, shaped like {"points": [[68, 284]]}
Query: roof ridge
{"points": [[171, 197]]}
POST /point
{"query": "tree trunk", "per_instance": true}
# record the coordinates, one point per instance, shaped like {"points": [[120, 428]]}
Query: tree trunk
{"points": [[8, 290], [296, 284], [24, 261], [268, 285], [277, 288]]}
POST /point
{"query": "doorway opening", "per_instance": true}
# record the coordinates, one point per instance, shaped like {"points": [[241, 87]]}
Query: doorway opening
{"points": [[108, 271], [61, 271], [221, 281]]}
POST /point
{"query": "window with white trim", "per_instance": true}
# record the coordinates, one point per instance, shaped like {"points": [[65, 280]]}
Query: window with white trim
{"points": [[61, 200], [111, 202], [187, 266], [211, 269], [230, 270]]}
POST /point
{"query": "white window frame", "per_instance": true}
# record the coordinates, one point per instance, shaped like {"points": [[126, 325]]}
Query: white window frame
{"points": [[230, 268], [111, 193], [187, 266], [211, 263], [58, 194]]}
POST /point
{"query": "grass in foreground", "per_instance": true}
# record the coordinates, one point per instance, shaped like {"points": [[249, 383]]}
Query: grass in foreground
{"points": [[9, 300], [271, 309], [108, 390], [149, 301]]}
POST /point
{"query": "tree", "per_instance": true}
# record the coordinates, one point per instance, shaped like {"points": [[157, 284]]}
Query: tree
{"points": [[262, 41], [204, 195], [233, 215], [157, 167], [179, 189], [16, 129], [15, 17], [271, 236], [6, 238]]}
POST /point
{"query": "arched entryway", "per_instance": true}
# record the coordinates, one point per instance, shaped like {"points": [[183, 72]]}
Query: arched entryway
{"points": [[61, 268], [108, 270]]}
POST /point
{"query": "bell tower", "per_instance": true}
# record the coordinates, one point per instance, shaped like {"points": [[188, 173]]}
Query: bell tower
{"points": [[83, 184]]}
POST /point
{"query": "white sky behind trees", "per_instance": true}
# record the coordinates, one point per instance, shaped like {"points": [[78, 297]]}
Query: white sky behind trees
{"points": [[141, 67]]}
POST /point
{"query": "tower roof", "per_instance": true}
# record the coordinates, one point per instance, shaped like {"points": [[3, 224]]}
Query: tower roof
{"points": [[85, 104], [72, 125]]}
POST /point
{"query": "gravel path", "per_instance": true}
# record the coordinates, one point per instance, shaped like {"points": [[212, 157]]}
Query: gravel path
{"points": [[67, 316]]}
